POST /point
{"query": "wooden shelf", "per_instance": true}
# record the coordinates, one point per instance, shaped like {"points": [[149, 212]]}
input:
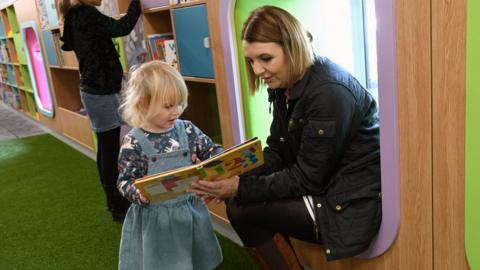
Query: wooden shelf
{"points": [[168, 7], [202, 80], [76, 126], [156, 9], [66, 85], [192, 3], [63, 67]]}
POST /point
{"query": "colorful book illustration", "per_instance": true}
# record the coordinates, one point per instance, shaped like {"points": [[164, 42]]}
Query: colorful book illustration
{"points": [[171, 53], [156, 45], [236, 160], [162, 47]]}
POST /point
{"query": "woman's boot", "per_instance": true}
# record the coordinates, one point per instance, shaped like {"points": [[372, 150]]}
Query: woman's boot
{"points": [[275, 254]]}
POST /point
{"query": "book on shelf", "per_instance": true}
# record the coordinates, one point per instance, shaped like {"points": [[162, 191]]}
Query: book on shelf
{"points": [[42, 14], [236, 160], [171, 53], [58, 50], [156, 45], [47, 13]]}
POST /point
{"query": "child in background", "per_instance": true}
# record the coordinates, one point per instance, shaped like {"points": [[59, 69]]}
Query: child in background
{"points": [[89, 34], [177, 233]]}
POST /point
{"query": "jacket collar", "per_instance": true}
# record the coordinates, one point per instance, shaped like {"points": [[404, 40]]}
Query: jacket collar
{"points": [[299, 87]]}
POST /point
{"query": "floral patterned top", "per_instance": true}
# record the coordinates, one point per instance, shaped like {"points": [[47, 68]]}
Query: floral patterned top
{"points": [[133, 162]]}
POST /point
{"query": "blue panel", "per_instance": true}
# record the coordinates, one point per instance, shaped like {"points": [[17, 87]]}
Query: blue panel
{"points": [[50, 48], [191, 30]]}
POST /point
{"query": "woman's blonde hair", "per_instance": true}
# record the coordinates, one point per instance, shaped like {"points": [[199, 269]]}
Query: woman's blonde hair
{"points": [[273, 24], [151, 84]]}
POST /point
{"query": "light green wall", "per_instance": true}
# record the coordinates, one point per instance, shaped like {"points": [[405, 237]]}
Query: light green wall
{"points": [[472, 144]]}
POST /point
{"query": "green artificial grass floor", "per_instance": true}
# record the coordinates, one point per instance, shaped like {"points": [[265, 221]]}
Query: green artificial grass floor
{"points": [[53, 214]]}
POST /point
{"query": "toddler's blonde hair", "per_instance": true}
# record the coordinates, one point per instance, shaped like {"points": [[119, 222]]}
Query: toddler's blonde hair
{"points": [[151, 84]]}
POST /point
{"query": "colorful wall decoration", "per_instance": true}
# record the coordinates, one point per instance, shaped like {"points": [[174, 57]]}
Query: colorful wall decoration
{"points": [[37, 68]]}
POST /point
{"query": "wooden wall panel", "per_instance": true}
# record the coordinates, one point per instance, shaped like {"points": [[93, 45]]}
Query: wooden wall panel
{"points": [[448, 98], [413, 246]]}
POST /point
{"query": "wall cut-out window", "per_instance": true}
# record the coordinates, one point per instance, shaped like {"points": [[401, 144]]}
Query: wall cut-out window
{"points": [[367, 21]]}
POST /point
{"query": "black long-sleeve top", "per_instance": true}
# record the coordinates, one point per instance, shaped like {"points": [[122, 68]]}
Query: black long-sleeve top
{"points": [[89, 34]]}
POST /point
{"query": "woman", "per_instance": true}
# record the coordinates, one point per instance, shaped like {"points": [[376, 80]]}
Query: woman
{"points": [[89, 34], [321, 178]]}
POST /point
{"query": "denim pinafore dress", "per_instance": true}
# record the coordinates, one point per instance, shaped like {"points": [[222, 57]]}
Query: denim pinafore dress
{"points": [[174, 234]]}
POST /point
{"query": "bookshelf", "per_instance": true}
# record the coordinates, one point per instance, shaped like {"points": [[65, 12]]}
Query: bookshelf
{"points": [[15, 86], [65, 78], [196, 60], [195, 31]]}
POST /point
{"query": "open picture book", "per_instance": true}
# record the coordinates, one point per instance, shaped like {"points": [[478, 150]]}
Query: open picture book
{"points": [[236, 160]]}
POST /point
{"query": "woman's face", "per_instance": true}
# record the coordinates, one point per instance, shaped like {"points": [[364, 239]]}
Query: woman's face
{"points": [[268, 62]]}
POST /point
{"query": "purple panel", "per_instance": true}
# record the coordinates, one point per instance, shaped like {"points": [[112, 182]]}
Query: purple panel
{"points": [[387, 84]]}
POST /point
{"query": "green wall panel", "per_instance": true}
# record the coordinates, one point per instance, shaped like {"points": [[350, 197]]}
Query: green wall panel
{"points": [[472, 140]]}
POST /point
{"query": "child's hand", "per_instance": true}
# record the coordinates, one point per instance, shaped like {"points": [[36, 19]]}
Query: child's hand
{"points": [[195, 159], [143, 198], [206, 199]]}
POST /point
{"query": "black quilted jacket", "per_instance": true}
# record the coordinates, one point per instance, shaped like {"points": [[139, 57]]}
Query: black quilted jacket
{"points": [[89, 34], [324, 141]]}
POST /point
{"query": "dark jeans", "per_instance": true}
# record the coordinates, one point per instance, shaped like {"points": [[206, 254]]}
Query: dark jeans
{"points": [[257, 223], [108, 148]]}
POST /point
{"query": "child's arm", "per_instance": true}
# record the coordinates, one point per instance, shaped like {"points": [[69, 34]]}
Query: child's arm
{"points": [[202, 146], [132, 164]]}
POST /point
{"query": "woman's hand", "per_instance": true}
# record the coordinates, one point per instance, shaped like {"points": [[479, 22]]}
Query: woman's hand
{"points": [[218, 189]]}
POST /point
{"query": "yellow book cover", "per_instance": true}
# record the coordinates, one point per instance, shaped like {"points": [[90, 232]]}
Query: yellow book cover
{"points": [[236, 160]]}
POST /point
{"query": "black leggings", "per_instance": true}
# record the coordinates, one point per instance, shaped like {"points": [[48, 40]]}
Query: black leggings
{"points": [[108, 148], [257, 223]]}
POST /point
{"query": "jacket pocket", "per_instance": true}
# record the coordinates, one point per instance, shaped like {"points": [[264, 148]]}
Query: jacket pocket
{"points": [[320, 129], [318, 137], [356, 215]]}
